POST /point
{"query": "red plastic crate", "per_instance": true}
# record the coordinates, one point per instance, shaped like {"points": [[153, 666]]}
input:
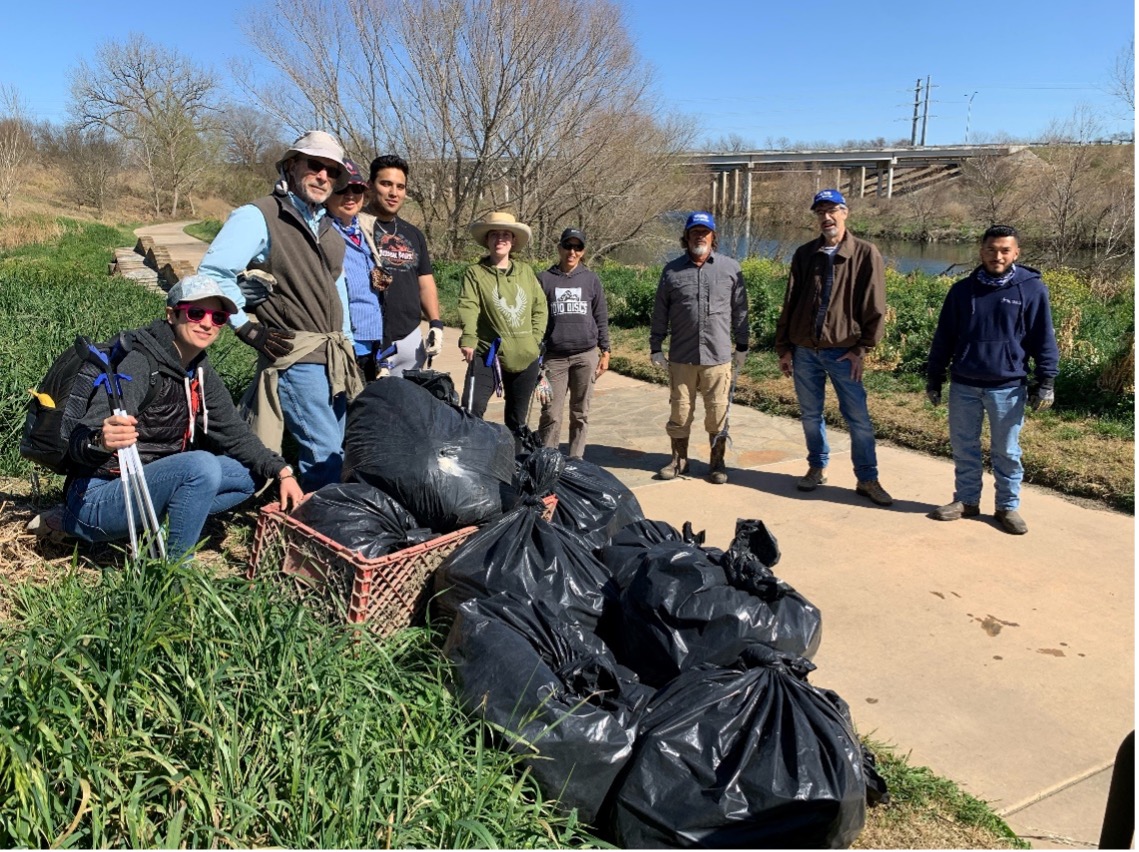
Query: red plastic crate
{"points": [[387, 592]]}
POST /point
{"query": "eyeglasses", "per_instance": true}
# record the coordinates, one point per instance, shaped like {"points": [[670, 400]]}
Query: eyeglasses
{"points": [[352, 189], [197, 314], [573, 246], [316, 167]]}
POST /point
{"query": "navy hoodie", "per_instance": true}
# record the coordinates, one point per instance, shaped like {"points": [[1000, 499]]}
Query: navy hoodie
{"points": [[985, 335]]}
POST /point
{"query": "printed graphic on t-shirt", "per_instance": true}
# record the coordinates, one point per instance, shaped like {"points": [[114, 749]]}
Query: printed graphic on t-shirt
{"points": [[567, 300], [397, 253]]}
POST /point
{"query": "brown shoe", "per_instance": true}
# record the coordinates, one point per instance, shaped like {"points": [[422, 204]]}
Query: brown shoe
{"points": [[815, 477], [955, 511], [718, 471], [678, 464], [1011, 521], [873, 489]]}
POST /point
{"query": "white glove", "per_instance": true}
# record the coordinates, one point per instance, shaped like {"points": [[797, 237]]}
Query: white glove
{"points": [[434, 343], [659, 360], [739, 358]]}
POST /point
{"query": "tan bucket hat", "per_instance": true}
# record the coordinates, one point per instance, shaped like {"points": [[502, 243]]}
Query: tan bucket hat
{"points": [[317, 143], [500, 222]]}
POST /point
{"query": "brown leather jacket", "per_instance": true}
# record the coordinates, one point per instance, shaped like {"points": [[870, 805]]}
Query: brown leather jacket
{"points": [[855, 317]]}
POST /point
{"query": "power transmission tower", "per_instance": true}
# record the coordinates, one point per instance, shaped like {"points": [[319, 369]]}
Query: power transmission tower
{"points": [[917, 103], [925, 112]]}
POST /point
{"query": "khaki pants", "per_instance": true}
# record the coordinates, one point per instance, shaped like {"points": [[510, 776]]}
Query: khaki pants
{"points": [[688, 380], [575, 374]]}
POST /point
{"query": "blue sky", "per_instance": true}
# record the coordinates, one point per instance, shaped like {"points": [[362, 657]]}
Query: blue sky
{"points": [[761, 69]]}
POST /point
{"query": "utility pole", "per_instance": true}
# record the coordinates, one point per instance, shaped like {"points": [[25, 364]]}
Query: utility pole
{"points": [[925, 112], [968, 114], [917, 102]]}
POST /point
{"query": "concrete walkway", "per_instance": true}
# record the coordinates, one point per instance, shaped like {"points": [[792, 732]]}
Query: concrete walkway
{"points": [[1005, 663]]}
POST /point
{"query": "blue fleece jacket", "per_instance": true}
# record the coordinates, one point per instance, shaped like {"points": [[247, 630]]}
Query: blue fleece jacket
{"points": [[985, 335]]}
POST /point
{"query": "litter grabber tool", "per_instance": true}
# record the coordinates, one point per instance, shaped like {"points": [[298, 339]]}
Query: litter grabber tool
{"points": [[136, 496], [496, 367]]}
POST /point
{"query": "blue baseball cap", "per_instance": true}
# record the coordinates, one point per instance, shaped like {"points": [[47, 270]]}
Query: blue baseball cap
{"points": [[700, 218], [831, 196], [194, 288]]}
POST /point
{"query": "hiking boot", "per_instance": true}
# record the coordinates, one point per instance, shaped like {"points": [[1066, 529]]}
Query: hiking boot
{"points": [[678, 464], [815, 477], [955, 511], [718, 471], [48, 526], [873, 489], [1011, 521]]}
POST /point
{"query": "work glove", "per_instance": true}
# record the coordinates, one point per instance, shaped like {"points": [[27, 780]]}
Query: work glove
{"points": [[739, 357], [658, 360], [434, 343], [273, 343], [543, 391], [1041, 397], [933, 394]]}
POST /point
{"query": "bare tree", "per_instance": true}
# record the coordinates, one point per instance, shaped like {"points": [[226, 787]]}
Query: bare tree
{"points": [[1121, 77], [90, 159], [991, 184], [17, 144], [489, 100], [156, 100]]}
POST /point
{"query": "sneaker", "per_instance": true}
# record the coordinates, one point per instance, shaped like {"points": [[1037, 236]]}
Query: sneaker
{"points": [[815, 477], [873, 489], [955, 511], [48, 526], [1011, 521]]}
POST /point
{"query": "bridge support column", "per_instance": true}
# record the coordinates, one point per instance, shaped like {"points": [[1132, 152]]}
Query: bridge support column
{"points": [[890, 180], [862, 181], [712, 206], [747, 213]]}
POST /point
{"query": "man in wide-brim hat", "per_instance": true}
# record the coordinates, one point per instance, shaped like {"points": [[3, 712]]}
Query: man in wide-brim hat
{"points": [[501, 301], [291, 260]]}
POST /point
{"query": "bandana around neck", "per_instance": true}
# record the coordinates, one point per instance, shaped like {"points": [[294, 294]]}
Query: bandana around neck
{"points": [[988, 280]]}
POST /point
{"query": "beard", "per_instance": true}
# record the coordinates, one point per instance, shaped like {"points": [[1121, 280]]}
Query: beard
{"points": [[700, 250]]}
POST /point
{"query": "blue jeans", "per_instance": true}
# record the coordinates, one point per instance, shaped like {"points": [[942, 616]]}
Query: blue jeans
{"points": [[811, 368], [185, 488], [316, 420], [967, 408]]}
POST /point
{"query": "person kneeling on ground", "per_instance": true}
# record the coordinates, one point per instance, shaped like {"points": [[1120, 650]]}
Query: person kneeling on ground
{"points": [[190, 415]]}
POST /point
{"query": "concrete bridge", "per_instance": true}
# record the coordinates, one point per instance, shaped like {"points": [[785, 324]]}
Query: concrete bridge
{"points": [[890, 170]]}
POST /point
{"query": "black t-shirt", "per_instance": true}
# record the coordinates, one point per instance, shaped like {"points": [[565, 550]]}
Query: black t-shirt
{"points": [[403, 250]]}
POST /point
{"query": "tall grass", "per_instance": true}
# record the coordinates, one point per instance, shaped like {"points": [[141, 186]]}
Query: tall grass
{"points": [[167, 707]]}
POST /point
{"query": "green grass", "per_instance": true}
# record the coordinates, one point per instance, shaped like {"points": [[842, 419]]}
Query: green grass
{"points": [[205, 230], [169, 707]]}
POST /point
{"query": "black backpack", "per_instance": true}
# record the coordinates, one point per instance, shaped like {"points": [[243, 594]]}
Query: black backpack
{"points": [[61, 400]]}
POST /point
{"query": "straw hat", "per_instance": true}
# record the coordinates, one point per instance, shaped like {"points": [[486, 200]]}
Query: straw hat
{"points": [[500, 222]]}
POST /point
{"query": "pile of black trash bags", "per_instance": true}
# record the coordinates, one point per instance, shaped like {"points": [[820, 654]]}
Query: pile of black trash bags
{"points": [[657, 685]]}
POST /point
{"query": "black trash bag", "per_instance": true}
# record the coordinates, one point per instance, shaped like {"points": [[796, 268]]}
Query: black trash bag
{"points": [[752, 554], [362, 518], [525, 556], [747, 756], [445, 466], [621, 555], [593, 502], [679, 611], [552, 691], [438, 383]]}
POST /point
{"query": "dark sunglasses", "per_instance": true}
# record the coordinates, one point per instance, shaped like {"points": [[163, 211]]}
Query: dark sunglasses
{"points": [[352, 189], [197, 314], [573, 246], [316, 167]]}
